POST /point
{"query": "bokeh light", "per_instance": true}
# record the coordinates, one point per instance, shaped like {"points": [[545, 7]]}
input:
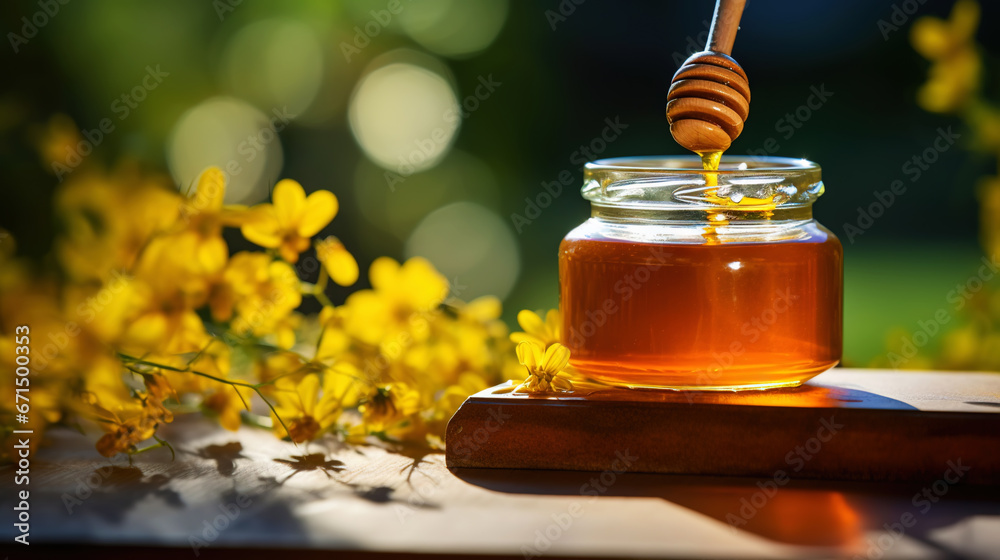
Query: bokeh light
{"points": [[455, 28], [274, 64], [396, 206], [233, 135], [404, 116], [472, 246]]}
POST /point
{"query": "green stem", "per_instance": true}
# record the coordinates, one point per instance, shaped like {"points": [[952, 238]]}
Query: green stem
{"points": [[254, 387], [173, 455], [200, 353], [319, 290], [159, 443], [321, 297], [322, 280]]}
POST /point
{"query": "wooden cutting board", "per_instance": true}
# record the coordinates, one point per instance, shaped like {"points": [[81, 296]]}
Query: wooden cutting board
{"points": [[846, 424]]}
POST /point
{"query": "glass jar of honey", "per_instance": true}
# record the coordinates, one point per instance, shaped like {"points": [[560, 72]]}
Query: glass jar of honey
{"points": [[702, 280]]}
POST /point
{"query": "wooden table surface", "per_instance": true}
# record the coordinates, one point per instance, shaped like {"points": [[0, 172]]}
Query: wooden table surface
{"points": [[265, 497]]}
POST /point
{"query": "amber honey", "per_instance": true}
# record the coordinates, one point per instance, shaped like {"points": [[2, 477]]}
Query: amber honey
{"points": [[702, 315], [647, 305]]}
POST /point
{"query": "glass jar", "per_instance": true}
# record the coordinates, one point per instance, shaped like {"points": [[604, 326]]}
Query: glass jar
{"points": [[688, 279]]}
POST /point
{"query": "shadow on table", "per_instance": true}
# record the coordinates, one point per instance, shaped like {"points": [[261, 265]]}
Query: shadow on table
{"points": [[118, 490], [799, 512], [225, 456], [385, 494], [312, 462]]}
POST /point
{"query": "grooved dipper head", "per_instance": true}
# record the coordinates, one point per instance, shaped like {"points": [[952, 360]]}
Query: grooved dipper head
{"points": [[708, 102]]}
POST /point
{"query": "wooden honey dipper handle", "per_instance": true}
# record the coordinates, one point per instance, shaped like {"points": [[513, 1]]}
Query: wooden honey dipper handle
{"points": [[709, 97], [725, 24]]}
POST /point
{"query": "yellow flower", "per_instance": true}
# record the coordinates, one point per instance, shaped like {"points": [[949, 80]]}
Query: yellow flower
{"points": [[307, 414], [960, 348], [337, 261], [214, 359], [545, 368], [510, 368], [123, 434], [483, 309], [334, 341], [391, 410], [468, 384], [951, 83], [281, 364], [936, 38], [902, 354], [169, 286], [257, 294], [109, 219], [454, 395], [402, 298], [424, 354], [285, 328], [413, 287], [58, 141], [158, 389], [106, 307], [542, 333], [479, 337], [202, 216], [292, 219], [228, 402], [201, 211], [989, 352], [125, 421], [989, 215], [163, 323], [955, 73]]}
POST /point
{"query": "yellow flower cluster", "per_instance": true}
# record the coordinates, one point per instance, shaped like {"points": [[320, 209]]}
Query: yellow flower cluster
{"points": [[954, 75], [147, 314], [415, 352], [954, 86]]}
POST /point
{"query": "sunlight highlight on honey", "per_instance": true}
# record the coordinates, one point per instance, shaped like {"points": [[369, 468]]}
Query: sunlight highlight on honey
{"points": [[710, 162], [717, 218]]}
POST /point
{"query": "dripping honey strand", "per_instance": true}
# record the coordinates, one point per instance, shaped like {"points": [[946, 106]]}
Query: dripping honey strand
{"points": [[717, 218]]}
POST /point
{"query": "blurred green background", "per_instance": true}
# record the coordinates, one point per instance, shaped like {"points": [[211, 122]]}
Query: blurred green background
{"points": [[369, 88]]}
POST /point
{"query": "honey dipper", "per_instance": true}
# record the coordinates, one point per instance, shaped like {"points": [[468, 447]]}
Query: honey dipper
{"points": [[709, 97]]}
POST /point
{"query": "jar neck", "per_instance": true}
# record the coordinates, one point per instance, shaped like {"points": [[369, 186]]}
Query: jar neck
{"points": [[744, 196], [778, 216], [687, 225]]}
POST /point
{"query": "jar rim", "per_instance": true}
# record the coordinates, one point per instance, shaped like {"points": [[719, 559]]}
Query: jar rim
{"points": [[692, 164], [669, 186]]}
